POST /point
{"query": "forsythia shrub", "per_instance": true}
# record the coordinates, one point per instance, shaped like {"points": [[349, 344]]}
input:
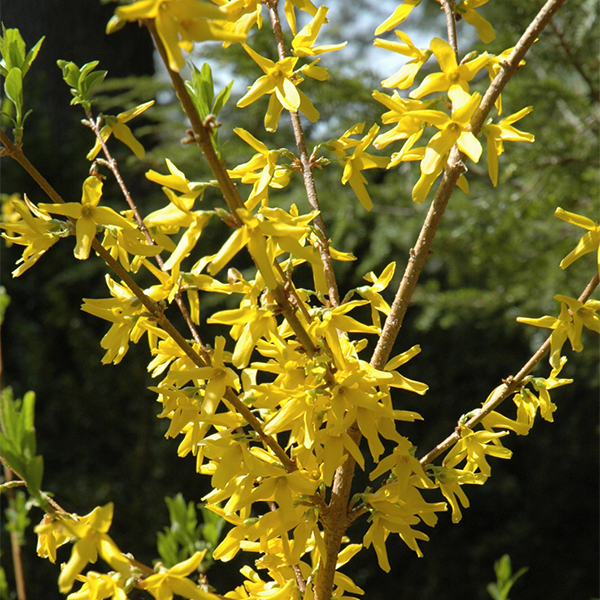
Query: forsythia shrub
{"points": [[275, 413]]}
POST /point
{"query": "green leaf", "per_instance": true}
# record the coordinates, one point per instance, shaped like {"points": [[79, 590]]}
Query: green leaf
{"points": [[70, 72], [221, 99], [13, 86], [31, 56]]}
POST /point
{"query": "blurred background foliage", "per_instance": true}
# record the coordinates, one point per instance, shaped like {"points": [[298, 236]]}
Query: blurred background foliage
{"points": [[496, 257]]}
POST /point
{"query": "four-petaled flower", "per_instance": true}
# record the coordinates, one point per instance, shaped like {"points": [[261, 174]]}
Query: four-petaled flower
{"points": [[452, 74], [88, 215], [504, 132]]}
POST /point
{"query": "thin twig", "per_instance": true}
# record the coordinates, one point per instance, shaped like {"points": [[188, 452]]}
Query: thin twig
{"points": [[111, 163], [307, 169], [448, 6], [153, 307], [454, 169], [510, 387], [228, 188]]}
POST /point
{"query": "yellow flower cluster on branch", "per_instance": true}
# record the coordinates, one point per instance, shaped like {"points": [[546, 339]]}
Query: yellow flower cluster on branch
{"points": [[276, 412]]}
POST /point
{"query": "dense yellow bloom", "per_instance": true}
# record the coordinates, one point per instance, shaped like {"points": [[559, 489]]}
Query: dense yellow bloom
{"points": [[405, 77], [179, 23], [452, 74], [280, 81], [88, 215], [34, 229], [116, 125], [503, 132], [590, 241]]}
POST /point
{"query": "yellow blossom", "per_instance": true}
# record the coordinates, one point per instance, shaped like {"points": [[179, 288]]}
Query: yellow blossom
{"points": [[467, 11], [97, 586], [453, 130], [405, 77], [179, 23], [358, 161], [270, 174], [116, 125], [503, 132], [303, 42], [453, 74], [279, 81], [590, 241], [34, 229], [450, 481], [167, 582], [90, 532], [474, 445], [88, 215], [398, 16]]}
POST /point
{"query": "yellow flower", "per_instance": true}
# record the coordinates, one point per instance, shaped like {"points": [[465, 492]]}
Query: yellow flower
{"points": [[466, 10], [279, 81], [405, 77], [179, 23], [270, 173], [303, 5], [165, 584], [218, 377], [474, 445], [588, 243], [97, 586], [450, 481], [582, 315], [358, 161], [452, 74], [574, 315], [372, 292], [303, 42], [116, 125], [503, 132], [34, 229], [90, 532], [453, 130], [398, 16], [88, 214]]}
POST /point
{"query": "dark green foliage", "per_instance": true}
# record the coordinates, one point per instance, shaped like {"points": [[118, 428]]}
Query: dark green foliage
{"points": [[185, 536]]}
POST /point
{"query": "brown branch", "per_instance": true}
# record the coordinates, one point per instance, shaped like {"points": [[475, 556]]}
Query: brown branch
{"points": [[111, 163], [510, 387], [14, 544], [153, 308], [510, 66], [228, 188], [420, 253], [307, 169], [448, 7]]}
